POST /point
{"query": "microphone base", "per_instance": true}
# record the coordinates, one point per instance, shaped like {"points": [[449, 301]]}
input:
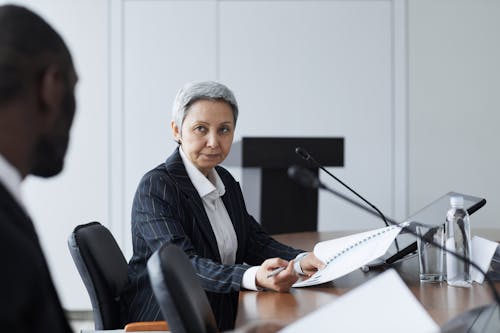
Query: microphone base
{"points": [[376, 264]]}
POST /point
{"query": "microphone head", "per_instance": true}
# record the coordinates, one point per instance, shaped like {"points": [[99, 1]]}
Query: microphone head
{"points": [[302, 153], [304, 177]]}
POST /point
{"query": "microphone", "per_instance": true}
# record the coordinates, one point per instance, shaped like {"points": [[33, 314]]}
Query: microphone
{"points": [[307, 178], [304, 177], [306, 156]]}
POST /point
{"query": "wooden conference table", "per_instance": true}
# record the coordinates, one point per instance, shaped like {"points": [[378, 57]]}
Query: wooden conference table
{"points": [[441, 301]]}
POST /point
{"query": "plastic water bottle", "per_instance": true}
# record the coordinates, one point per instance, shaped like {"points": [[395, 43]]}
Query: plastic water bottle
{"points": [[458, 240]]}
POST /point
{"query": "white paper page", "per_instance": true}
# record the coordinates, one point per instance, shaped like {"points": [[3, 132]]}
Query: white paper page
{"points": [[353, 252], [482, 251], [383, 304]]}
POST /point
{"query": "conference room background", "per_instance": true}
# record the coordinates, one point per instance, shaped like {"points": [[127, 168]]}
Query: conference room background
{"points": [[411, 85]]}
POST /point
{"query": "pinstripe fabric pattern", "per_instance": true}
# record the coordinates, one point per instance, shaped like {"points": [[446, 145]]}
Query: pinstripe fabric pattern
{"points": [[28, 299], [168, 209]]}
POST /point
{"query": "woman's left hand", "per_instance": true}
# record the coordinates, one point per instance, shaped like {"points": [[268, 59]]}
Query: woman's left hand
{"points": [[310, 264]]}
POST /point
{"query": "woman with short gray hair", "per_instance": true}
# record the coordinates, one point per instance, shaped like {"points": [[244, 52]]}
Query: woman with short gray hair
{"points": [[194, 203], [207, 90]]}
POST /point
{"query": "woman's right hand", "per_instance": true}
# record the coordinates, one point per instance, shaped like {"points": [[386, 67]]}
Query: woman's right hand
{"points": [[280, 282]]}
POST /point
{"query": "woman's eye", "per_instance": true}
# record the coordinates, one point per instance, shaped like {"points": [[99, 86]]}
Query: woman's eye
{"points": [[225, 130], [200, 129]]}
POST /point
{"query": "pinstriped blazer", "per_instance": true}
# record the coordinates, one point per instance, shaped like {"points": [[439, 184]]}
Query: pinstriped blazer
{"points": [[168, 209], [28, 299]]}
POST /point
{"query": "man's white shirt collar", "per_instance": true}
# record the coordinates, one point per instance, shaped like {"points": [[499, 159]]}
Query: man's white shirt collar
{"points": [[11, 179]]}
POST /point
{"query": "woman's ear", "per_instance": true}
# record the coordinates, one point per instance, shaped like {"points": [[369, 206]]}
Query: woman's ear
{"points": [[176, 132]]}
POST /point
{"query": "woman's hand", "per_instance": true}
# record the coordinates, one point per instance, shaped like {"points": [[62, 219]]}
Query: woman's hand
{"points": [[310, 264], [280, 282]]}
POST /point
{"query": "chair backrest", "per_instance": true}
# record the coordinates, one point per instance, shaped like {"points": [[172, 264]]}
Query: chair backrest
{"points": [[178, 291], [103, 269]]}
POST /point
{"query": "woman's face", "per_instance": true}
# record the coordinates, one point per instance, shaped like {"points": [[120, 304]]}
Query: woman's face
{"points": [[207, 133]]}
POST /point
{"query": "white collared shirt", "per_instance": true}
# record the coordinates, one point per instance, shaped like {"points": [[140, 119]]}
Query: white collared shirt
{"points": [[11, 179], [211, 190]]}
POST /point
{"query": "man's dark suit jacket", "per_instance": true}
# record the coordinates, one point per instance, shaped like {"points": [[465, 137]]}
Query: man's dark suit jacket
{"points": [[168, 209], [28, 299]]}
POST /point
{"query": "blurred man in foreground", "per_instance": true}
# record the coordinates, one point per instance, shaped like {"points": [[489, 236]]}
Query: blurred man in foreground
{"points": [[37, 105]]}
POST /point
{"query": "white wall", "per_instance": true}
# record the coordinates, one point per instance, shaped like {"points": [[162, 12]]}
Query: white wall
{"points": [[454, 102]]}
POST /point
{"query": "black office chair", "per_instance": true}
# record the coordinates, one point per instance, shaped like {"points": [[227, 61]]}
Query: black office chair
{"points": [[103, 269], [178, 291]]}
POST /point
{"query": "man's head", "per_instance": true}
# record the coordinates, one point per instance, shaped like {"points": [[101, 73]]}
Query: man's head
{"points": [[37, 102]]}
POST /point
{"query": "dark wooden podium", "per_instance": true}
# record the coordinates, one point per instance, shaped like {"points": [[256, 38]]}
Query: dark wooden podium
{"points": [[285, 206]]}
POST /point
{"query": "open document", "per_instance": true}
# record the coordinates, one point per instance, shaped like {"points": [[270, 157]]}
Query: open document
{"points": [[344, 255], [383, 304]]}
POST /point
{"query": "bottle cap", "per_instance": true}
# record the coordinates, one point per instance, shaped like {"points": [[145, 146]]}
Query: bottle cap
{"points": [[457, 201]]}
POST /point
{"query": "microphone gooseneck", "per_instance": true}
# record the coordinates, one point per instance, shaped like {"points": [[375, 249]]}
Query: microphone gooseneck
{"points": [[306, 156], [306, 178]]}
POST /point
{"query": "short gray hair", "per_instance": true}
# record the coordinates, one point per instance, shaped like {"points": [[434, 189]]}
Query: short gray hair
{"points": [[195, 91]]}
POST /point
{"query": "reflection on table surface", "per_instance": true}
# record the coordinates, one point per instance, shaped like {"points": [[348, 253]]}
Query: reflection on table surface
{"points": [[440, 300]]}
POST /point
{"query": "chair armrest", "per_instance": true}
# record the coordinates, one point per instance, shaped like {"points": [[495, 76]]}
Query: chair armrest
{"points": [[146, 326]]}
